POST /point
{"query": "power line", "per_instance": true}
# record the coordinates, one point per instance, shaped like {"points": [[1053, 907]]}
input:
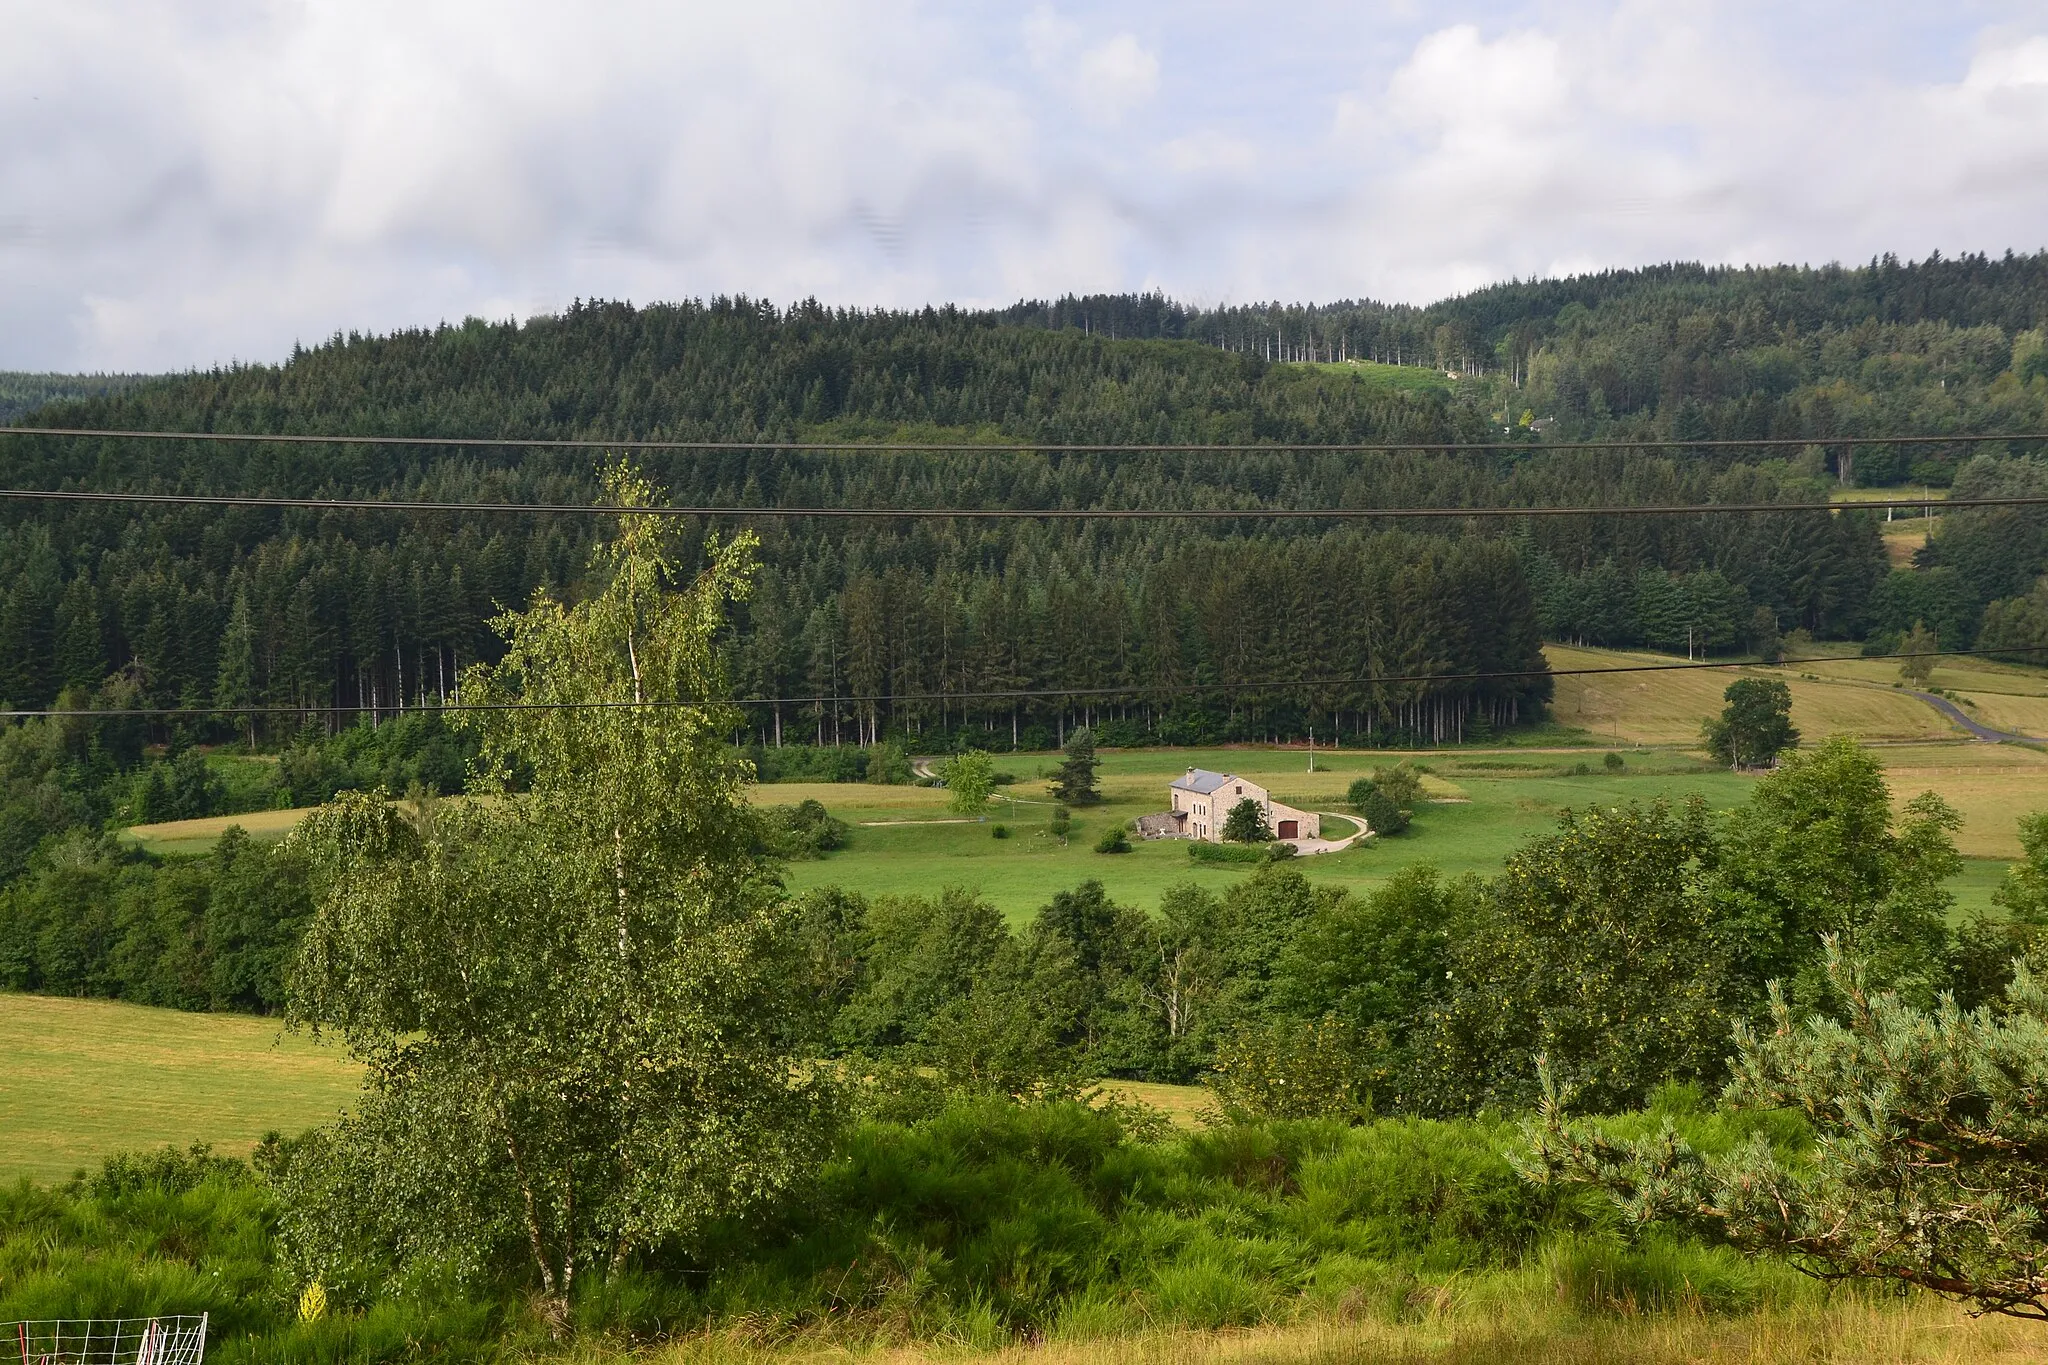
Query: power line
{"points": [[1010, 513], [1013, 694], [997, 447]]}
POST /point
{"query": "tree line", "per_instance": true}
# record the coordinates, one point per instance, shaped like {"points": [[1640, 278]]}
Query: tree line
{"points": [[208, 606], [305, 609]]}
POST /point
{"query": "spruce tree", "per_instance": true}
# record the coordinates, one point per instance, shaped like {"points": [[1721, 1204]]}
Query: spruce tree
{"points": [[235, 683], [1075, 784], [81, 648]]}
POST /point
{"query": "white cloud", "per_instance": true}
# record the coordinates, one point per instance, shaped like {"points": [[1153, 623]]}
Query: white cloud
{"points": [[1119, 73], [1633, 137], [1209, 151], [183, 185], [1102, 80]]}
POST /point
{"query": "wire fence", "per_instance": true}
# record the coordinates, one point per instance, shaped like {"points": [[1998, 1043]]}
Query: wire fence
{"points": [[178, 1340]]}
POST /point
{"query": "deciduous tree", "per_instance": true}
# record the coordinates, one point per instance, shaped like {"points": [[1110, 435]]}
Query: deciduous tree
{"points": [[1246, 823], [1756, 724], [1593, 948], [573, 992], [969, 779], [1818, 850], [1914, 648]]}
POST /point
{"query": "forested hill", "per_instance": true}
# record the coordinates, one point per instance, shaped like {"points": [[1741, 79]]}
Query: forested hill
{"points": [[1686, 351], [200, 605]]}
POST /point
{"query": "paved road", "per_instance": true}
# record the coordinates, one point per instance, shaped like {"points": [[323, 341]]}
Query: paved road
{"points": [[1984, 732]]}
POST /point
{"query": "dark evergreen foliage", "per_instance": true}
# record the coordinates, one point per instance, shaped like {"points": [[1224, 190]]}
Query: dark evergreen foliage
{"points": [[381, 611]]}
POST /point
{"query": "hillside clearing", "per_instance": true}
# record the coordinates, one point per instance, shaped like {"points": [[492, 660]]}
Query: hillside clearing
{"points": [[197, 836]]}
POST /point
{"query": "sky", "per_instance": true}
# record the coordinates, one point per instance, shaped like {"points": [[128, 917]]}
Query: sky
{"points": [[187, 185]]}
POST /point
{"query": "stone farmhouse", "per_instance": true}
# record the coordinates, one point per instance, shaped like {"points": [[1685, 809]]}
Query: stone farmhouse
{"points": [[1202, 802]]}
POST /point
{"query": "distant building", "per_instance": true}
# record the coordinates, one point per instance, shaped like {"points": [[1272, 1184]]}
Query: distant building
{"points": [[1202, 802]]}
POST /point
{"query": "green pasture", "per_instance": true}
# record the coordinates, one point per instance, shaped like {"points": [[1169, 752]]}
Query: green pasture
{"points": [[1486, 802], [1485, 805], [83, 1079]]}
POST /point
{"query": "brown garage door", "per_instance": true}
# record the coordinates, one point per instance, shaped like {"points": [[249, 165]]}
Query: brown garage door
{"points": [[1290, 829]]}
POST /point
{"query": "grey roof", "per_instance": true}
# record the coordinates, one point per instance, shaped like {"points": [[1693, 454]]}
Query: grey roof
{"points": [[1201, 781]]}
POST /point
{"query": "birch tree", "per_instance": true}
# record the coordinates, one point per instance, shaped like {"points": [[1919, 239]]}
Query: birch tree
{"points": [[573, 990]]}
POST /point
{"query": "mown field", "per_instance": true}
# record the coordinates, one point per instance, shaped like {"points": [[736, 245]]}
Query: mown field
{"points": [[1829, 697], [1412, 378], [1485, 804], [82, 1079]]}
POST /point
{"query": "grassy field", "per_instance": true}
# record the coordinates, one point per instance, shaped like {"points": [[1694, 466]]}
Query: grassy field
{"points": [[1914, 492], [197, 836], [1903, 539], [82, 1079], [1465, 1324], [1414, 378], [1670, 708], [1486, 805], [905, 840], [2005, 696]]}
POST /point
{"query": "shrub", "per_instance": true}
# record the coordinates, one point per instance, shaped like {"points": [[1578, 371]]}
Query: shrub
{"points": [[802, 763], [998, 831], [1280, 850], [888, 765], [969, 777], [805, 830], [1288, 1070], [1113, 840], [1613, 763], [1400, 784], [1381, 815]]}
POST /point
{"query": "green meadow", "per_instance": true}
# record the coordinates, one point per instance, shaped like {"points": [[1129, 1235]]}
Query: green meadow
{"points": [[1483, 805], [83, 1079], [1484, 802]]}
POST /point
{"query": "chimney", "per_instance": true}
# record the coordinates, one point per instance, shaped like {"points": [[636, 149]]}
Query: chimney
{"points": [[1191, 774]]}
